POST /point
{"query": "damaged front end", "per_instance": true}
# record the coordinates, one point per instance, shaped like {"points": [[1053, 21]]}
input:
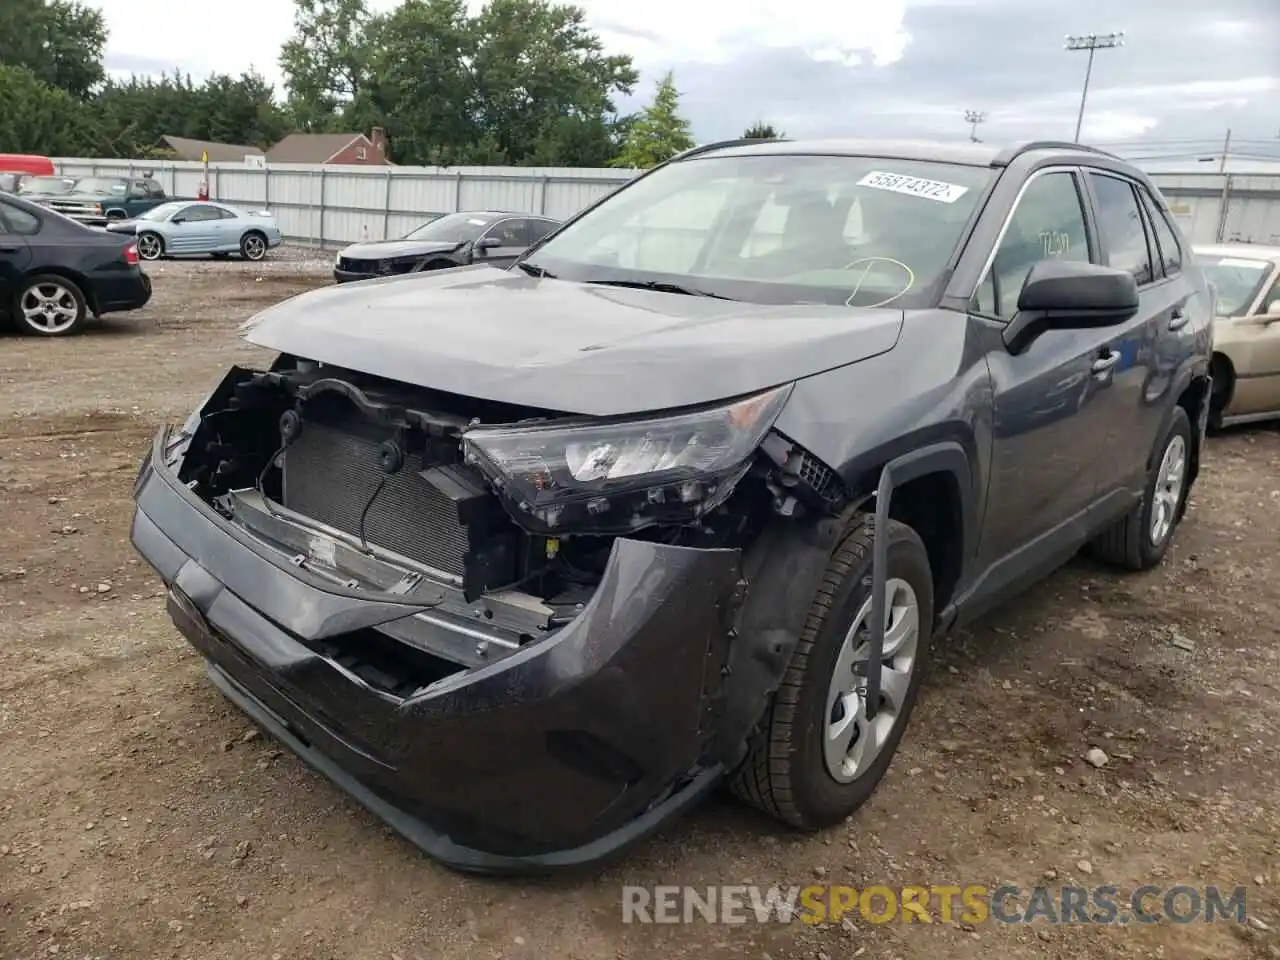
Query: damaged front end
{"points": [[520, 637]]}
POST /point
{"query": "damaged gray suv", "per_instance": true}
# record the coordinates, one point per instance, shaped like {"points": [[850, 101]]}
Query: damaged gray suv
{"points": [[528, 561]]}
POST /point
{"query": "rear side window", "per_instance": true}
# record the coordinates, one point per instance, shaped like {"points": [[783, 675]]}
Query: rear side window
{"points": [[1168, 250], [13, 220], [1120, 227], [1047, 224], [539, 229]]}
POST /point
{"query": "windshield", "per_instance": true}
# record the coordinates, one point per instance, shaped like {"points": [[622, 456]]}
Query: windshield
{"points": [[100, 185], [453, 227], [858, 231], [1236, 280], [46, 186], [162, 212]]}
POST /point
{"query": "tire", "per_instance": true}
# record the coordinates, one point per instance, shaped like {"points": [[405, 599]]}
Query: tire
{"points": [[253, 245], [150, 245], [49, 306], [786, 772], [1132, 542]]}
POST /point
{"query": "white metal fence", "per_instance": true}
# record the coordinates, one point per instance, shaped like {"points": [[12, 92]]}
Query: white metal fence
{"points": [[335, 205]]}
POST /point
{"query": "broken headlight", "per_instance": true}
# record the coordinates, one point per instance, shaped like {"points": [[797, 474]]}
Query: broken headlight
{"points": [[617, 476]]}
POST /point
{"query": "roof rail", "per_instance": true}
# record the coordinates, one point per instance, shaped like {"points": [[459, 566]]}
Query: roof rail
{"points": [[1011, 153], [725, 144]]}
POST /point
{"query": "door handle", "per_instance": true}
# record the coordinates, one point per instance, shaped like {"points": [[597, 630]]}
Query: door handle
{"points": [[1105, 363], [9, 249], [1178, 319]]}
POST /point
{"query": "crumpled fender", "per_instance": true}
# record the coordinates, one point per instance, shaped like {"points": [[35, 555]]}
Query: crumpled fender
{"points": [[782, 573]]}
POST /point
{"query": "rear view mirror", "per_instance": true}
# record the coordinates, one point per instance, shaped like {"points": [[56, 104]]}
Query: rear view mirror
{"points": [[1069, 295]]}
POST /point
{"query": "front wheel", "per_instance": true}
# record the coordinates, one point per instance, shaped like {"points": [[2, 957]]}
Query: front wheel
{"points": [[49, 306], [1140, 539], [817, 757], [253, 246]]}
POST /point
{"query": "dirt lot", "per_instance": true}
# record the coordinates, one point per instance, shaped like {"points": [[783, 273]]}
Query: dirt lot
{"points": [[140, 817]]}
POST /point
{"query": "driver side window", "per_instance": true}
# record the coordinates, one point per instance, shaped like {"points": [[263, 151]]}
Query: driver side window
{"points": [[1048, 224]]}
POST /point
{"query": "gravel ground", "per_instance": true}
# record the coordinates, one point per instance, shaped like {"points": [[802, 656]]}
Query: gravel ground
{"points": [[141, 816]]}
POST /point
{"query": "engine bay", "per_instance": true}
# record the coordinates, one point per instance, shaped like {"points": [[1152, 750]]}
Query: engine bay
{"points": [[364, 480]]}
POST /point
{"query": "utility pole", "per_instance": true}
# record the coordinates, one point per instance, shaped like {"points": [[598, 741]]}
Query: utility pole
{"points": [[973, 118], [1091, 42]]}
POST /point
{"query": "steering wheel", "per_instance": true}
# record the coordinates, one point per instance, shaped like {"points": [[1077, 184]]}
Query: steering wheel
{"points": [[901, 273]]}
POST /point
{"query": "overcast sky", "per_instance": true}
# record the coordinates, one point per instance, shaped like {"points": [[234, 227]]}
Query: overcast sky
{"points": [[1188, 69]]}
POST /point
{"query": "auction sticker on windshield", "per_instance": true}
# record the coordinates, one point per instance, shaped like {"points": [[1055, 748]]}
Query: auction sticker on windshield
{"points": [[914, 186]]}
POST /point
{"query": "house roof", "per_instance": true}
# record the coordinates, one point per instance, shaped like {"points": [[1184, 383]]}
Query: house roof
{"points": [[311, 147], [188, 149]]}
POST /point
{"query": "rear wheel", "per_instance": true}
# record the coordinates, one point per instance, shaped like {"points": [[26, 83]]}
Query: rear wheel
{"points": [[49, 306], [150, 245], [816, 757], [1141, 538], [253, 245]]}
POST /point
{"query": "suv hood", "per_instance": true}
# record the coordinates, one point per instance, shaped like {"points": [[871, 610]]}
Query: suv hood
{"points": [[382, 249], [567, 347]]}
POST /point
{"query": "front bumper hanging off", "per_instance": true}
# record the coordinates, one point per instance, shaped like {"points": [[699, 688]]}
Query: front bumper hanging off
{"points": [[559, 754]]}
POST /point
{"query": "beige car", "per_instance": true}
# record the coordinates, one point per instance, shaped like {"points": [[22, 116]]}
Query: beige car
{"points": [[1246, 334]]}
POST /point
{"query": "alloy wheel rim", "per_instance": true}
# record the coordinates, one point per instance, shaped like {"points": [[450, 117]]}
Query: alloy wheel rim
{"points": [[254, 248], [1168, 490], [49, 307], [851, 742], [148, 247]]}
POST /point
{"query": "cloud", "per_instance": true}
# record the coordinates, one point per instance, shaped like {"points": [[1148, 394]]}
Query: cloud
{"points": [[840, 31], [852, 67], [1187, 76]]}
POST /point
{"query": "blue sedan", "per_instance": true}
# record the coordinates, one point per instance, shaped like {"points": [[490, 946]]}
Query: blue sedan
{"points": [[183, 227]]}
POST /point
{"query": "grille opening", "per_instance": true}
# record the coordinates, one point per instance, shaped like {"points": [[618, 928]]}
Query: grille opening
{"points": [[386, 664], [434, 511]]}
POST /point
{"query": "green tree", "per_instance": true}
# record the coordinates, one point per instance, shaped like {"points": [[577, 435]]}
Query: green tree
{"points": [[59, 41], [659, 132], [138, 112], [422, 90], [761, 131], [522, 81], [38, 118], [326, 61], [541, 73]]}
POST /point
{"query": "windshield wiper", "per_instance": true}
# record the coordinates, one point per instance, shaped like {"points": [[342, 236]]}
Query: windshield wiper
{"points": [[661, 286], [535, 271]]}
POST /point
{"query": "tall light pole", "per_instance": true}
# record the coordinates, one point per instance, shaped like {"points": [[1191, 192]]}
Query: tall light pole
{"points": [[973, 118], [1091, 42]]}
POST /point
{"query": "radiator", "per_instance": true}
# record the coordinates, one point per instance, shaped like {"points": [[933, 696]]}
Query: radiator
{"points": [[330, 474]]}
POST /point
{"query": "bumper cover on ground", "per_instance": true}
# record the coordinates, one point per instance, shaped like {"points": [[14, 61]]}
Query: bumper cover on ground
{"points": [[556, 755]]}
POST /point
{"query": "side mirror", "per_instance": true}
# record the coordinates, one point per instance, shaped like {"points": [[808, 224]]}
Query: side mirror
{"points": [[1069, 295], [1273, 310], [178, 219], [488, 243]]}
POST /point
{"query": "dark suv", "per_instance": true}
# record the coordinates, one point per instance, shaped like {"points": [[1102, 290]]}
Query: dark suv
{"points": [[528, 561]]}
